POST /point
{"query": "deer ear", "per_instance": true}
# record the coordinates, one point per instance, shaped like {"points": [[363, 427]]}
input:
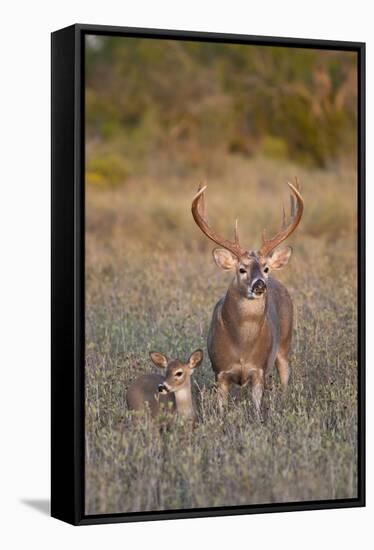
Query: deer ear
{"points": [[195, 358], [158, 359], [279, 258], [224, 259]]}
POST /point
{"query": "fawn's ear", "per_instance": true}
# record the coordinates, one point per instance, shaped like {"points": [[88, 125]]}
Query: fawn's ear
{"points": [[158, 359], [195, 358], [224, 259], [279, 258]]}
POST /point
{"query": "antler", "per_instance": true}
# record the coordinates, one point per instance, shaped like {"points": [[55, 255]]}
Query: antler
{"points": [[199, 214], [297, 207]]}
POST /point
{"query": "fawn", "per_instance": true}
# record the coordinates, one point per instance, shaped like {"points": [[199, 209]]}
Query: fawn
{"points": [[171, 390]]}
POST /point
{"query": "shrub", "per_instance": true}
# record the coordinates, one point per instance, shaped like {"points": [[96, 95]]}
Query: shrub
{"points": [[106, 171]]}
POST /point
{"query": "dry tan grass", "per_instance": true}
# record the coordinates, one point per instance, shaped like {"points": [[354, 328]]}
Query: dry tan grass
{"points": [[151, 283]]}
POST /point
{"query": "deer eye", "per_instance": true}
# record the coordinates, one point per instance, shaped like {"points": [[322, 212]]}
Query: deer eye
{"points": [[179, 373], [266, 270], [242, 270]]}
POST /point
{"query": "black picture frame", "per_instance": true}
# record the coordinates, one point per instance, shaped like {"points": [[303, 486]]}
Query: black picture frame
{"points": [[68, 253]]}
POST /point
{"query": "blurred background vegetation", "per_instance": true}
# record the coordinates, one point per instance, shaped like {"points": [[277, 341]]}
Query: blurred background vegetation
{"points": [[157, 107]]}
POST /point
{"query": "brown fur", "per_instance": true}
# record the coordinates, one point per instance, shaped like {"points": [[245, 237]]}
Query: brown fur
{"points": [[144, 393], [251, 326], [248, 336], [175, 386]]}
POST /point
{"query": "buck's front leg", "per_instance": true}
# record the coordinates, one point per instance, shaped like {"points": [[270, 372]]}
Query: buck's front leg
{"points": [[258, 381], [223, 384], [283, 368]]}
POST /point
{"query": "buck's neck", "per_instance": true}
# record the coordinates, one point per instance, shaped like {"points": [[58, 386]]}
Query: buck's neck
{"points": [[183, 401], [243, 315]]}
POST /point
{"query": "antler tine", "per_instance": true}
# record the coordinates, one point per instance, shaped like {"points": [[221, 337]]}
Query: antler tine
{"points": [[199, 214], [297, 207], [236, 232], [292, 198], [293, 205], [202, 200], [283, 217]]}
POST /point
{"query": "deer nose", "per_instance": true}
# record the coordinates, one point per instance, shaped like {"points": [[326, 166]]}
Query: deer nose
{"points": [[259, 287]]}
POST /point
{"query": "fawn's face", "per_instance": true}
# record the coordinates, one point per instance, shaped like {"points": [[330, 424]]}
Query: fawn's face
{"points": [[177, 374]]}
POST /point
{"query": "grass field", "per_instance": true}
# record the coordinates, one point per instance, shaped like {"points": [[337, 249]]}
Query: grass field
{"points": [[151, 283]]}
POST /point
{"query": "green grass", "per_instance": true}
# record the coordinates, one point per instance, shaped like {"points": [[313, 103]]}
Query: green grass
{"points": [[152, 284]]}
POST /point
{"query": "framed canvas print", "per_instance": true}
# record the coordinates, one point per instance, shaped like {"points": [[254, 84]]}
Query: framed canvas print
{"points": [[207, 274]]}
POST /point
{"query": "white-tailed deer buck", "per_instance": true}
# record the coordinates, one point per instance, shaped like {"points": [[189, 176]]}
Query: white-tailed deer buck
{"points": [[251, 326], [169, 391]]}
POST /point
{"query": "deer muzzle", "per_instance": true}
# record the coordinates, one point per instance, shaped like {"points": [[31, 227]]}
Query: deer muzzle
{"points": [[162, 388], [258, 287]]}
